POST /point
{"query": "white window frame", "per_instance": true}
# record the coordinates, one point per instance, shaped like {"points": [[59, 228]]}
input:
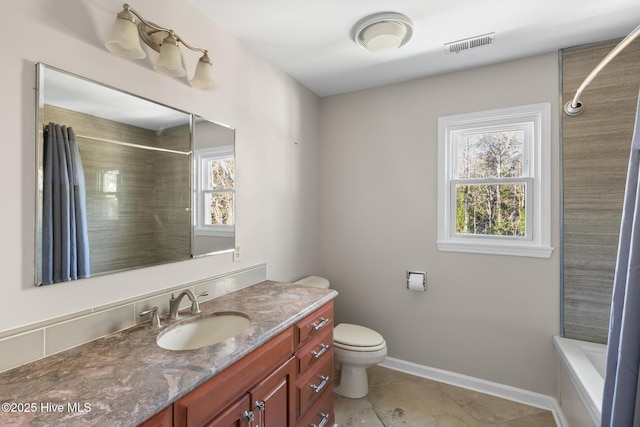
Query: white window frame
{"points": [[536, 119], [202, 158]]}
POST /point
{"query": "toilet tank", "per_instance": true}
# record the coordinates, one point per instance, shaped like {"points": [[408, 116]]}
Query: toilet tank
{"points": [[314, 282]]}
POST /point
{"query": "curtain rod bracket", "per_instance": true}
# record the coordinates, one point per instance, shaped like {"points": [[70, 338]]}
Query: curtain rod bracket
{"points": [[573, 110], [575, 107]]}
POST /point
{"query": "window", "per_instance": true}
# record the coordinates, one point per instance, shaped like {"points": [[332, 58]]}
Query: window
{"points": [[494, 182], [215, 191]]}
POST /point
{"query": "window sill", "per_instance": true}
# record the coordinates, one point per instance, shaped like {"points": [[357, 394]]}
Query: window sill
{"points": [[215, 232], [496, 249]]}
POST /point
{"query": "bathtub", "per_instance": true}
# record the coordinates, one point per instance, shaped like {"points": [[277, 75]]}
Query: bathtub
{"points": [[581, 370]]}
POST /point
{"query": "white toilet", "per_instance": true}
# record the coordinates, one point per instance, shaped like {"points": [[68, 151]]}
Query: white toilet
{"points": [[355, 348]]}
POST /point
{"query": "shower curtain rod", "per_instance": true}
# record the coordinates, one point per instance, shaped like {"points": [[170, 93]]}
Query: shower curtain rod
{"points": [[130, 144], [575, 107]]}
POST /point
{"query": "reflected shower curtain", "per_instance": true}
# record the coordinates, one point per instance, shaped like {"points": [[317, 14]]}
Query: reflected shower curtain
{"points": [[65, 241], [620, 403]]}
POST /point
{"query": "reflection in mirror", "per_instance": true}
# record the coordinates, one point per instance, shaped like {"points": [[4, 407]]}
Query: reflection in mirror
{"points": [[213, 187], [135, 155]]}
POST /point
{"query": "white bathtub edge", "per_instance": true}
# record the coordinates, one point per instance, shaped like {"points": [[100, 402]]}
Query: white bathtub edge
{"points": [[503, 391], [588, 382]]}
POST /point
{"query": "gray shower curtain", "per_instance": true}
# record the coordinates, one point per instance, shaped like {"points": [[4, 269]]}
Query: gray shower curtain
{"points": [[65, 241], [620, 403]]}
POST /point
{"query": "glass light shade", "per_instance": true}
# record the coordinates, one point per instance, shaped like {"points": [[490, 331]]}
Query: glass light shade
{"points": [[203, 77], [383, 36], [170, 61], [124, 39]]}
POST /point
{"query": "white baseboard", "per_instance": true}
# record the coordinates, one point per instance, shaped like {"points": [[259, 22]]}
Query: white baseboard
{"points": [[483, 386]]}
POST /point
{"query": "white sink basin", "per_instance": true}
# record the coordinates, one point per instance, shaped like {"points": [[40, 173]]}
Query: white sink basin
{"points": [[203, 332]]}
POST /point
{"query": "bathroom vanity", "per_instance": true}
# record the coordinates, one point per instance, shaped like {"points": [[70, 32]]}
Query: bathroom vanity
{"points": [[277, 372]]}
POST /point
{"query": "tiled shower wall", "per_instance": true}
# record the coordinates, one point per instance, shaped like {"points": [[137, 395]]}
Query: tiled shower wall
{"points": [[595, 153], [146, 220]]}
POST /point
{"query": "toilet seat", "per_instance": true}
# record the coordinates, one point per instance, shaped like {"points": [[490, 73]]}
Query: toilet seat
{"points": [[357, 338]]}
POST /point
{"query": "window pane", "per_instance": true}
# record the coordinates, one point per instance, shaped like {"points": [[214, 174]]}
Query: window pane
{"points": [[221, 174], [219, 208], [491, 209], [490, 154]]}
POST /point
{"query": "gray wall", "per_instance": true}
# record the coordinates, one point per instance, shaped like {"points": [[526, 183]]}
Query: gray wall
{"points": [[277, 178], [487, 316], [595, 153]]}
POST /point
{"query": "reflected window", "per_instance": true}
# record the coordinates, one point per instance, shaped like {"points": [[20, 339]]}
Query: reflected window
{"points": [[109, 187], [109, 181], [215, 192]]}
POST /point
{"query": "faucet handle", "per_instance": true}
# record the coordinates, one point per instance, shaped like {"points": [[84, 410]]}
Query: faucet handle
{"points": [[195, 304], [155, 317]]}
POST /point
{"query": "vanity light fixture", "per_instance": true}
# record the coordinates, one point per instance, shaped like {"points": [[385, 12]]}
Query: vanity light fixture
{"points": [[382, 32], [125, 42]]}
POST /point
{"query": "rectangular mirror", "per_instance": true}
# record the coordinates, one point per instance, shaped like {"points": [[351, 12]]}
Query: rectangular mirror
{"points": [[117, 184]]}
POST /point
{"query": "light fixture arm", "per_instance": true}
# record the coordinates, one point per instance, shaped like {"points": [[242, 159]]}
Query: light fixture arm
{"points": [[157, 28]]}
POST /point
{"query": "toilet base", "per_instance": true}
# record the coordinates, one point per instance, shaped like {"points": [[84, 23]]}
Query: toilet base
{"points": [[354, 383]]}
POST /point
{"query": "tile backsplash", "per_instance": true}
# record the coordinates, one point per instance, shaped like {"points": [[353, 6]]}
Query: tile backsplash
{"points": [[32, 342]]}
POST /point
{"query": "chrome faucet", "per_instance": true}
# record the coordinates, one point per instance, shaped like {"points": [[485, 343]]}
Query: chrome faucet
{"points": [[174, 303]]}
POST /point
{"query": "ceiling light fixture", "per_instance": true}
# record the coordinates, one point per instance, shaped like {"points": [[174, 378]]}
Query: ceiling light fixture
{"points": [[125, 42], [382, 32]]}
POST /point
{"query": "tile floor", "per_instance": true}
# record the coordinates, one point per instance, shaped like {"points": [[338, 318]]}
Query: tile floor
{"points": [[396, 399]]}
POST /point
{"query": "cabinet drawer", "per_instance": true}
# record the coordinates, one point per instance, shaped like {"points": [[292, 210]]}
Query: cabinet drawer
{"points": [[313, 385], [314, 324], [321, 414], [315, 352]]}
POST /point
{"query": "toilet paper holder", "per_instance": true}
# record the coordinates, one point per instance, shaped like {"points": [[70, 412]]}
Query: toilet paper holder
{"points": [[416, 280]]}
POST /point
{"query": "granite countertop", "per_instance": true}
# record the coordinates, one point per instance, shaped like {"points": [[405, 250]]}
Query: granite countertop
{"points": [[124, 378]]}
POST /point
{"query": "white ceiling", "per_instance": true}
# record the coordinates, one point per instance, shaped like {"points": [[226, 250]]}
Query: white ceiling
{"points": [[311, 39], [76, 93]]}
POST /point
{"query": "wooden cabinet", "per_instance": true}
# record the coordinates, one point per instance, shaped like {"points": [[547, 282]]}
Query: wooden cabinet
{"points": [[287, 382], [314, 369], [205, 403], [269, 404], [237, 414], [163, 418], [273, 399]]}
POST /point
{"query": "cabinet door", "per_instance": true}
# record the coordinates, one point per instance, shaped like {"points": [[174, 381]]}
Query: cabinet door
{"points": [[273, 398], [237, 415], [203, 404], [163, 418]]}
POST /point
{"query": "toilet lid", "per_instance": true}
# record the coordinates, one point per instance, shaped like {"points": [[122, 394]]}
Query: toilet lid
{"points": [[348, 335]]}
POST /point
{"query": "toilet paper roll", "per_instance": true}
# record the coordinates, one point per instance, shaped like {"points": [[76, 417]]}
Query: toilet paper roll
{"points": [[416, 282]]}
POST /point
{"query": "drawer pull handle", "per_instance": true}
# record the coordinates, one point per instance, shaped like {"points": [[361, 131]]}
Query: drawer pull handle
{"points": [[259, 405], [323, 349], [248, 415], [322, 323], [318, 388], [325, 418]]}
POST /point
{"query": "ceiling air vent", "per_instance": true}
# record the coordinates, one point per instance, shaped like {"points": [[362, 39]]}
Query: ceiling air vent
{"points": [[470, 43]]}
